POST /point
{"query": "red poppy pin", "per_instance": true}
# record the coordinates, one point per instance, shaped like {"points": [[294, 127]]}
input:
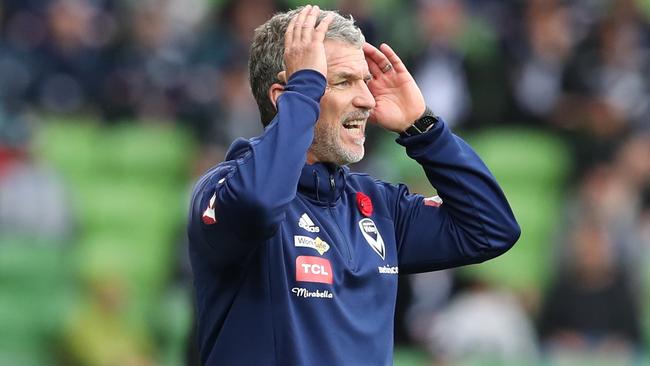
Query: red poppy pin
{"points": [[364, 204]]}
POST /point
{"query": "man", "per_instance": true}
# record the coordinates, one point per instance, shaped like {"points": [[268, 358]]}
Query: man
{"points": [[295, 258]]}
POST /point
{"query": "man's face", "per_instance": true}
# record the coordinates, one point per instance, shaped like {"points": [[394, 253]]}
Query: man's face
{"points": [[344, 108]]}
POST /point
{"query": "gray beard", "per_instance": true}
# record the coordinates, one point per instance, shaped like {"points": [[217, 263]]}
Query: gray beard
{"points": [[327, 148]]}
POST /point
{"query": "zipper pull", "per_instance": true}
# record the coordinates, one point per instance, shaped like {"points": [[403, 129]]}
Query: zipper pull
{"points": [[332, 183]]}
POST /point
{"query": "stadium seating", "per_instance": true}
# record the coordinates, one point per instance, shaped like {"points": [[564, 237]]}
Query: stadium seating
{"points": [[128, 185]]}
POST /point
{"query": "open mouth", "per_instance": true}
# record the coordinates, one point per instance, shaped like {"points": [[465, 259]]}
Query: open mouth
{"points": [[354, 124], [355, 129]]}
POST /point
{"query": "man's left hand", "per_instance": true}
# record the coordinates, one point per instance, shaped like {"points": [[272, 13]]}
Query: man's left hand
{"points": [[399, 101]]}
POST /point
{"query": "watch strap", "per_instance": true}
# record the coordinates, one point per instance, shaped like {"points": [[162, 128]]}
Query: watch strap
{"points": [[422, 124]]}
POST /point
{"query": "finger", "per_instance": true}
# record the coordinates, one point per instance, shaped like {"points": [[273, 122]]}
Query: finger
{"points": [[375, 70], [397, 63], [322, 28], [288, 35], [297, 27], [372, 117], [375, 55], [310, 22]]}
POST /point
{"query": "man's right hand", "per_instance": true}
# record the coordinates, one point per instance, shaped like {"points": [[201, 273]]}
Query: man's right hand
{"points": [[303, 43]]}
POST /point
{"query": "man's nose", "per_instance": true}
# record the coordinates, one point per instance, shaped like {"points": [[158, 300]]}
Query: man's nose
{"points": [[364, 98]]}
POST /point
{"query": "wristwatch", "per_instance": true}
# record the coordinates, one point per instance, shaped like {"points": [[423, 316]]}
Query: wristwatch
{"points": [[422, 124]]}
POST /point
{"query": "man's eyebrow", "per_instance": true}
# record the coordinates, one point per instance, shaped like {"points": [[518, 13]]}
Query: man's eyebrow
{"points": [[350, 76], [346, 75]]}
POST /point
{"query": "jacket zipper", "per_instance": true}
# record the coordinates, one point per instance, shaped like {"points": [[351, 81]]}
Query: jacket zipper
{"points": [[339, 237]]}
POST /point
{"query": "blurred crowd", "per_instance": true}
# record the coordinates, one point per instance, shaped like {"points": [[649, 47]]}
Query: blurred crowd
{"points": [[578, 70]]}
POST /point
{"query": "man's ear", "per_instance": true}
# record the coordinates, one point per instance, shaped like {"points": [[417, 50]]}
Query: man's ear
{"points": [[277, 89]]}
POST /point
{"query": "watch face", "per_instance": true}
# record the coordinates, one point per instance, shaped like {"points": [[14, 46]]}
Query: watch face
{"points": [[422, 125]]}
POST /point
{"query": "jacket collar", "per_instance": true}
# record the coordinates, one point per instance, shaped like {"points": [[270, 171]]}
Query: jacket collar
{"points": [[322, 182]]}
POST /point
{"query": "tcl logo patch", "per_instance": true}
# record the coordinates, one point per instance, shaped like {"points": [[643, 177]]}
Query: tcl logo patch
{"points": [[313, 269]]}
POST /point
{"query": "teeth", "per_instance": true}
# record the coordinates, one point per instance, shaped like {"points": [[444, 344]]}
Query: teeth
{"points": [[353, 123]]}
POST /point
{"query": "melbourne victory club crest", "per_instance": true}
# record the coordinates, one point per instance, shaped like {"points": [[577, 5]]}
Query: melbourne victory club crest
{"points": [[372, 236]]}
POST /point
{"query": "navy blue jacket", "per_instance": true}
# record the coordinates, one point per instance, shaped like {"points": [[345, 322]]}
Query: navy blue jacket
{"points": [[297, 264]]}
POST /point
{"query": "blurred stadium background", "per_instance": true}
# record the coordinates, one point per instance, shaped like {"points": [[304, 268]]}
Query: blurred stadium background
{"points": [[110, 108]]}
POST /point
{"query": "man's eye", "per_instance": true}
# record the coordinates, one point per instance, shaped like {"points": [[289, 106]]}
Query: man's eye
{"points": [[342, 83]]}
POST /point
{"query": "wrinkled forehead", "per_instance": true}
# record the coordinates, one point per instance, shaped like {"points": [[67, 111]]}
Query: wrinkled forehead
{"points": [[345, 58]]}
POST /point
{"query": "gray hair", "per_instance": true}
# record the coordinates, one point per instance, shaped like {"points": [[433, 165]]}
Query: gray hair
{"points": [[267, 52]]}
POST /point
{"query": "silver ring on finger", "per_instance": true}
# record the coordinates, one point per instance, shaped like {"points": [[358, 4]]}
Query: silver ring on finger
{"points": [[387, 68]]}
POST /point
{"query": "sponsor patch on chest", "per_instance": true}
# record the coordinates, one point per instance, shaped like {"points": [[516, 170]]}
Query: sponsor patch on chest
{"points": [[388, 270], [306, 242], [306, 223], [313, 269], [306, 293]]}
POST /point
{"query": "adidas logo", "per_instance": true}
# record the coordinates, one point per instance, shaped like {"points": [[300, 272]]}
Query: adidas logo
{"points": [[306, 223]]}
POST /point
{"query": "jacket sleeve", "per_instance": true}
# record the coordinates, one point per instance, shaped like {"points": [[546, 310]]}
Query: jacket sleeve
{"points": [[249, 195], [474, 222]]}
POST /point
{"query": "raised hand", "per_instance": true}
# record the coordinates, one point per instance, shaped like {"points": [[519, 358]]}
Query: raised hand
{"points": [[303, 43], [399, 101]]}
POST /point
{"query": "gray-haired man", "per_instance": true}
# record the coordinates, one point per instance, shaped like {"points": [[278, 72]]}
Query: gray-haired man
{"points": [[296, 258]]}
